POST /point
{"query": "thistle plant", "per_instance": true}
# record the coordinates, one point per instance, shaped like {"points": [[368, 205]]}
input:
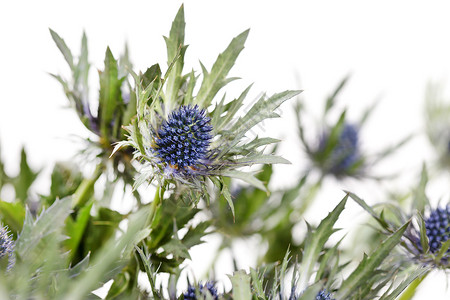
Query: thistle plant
{"points": [[337, 149], [317, 274], [209, 173], [116, 105], [191, 141], [425, 242]]}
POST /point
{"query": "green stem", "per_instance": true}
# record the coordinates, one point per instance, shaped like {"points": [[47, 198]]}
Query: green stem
{"points": [[159, 195], [310, 196], [409, 292], [86, 189]]}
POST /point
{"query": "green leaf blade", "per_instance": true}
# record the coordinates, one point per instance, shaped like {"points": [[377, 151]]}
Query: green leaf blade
{"points": [[216, 79]]}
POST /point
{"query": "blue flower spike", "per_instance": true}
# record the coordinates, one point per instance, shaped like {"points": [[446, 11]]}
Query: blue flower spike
{"points": [[437, 227], [323, 295], [182, 141], [6, 246], [346, 152], [191, 293]]}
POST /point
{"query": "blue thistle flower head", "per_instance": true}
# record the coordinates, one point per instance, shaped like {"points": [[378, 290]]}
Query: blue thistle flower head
{"points": [[437, 227], [345, 154], [324, 295], [191, 293], [6, 246], [182, 141]]}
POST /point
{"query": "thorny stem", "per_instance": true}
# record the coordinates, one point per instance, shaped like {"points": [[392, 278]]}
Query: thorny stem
{"points": [[410, 291]]}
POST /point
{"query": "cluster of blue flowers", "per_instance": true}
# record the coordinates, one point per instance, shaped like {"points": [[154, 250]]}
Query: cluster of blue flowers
{"points": [[183, 140], [346, 152], [6, 246], [438, 227], [323, 295], [190, 294]]}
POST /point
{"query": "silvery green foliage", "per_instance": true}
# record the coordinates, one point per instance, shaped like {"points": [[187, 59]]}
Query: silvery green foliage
{"points": [[43, 269], [429, 226], [116, 105], [318, 272], [160, 96]]}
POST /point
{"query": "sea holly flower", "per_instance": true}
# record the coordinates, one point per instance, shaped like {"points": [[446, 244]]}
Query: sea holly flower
{"points": [[193, 293], [437, 227], [318, 271], [336, 149], [323, 295], [182, 142], [115, 107], [344, 156], [425, 242], [6, 246], [192, 141]]}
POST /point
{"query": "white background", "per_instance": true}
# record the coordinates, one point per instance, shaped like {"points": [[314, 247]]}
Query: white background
{"points": [[391, 49]]}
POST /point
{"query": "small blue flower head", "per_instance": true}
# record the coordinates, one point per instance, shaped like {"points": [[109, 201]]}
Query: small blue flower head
{"points": [[191, 293], [437, 227], [324, 295], [182, 141], [6, 246], [344, 154]]}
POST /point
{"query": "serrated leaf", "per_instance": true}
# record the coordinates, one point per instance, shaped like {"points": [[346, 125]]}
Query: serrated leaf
{"points": [[258, 142], [231, 109], [216, 79], [50, 220], [411, 276], [175, 52], [76, 228], [247, 177], [120, 285], [368, 265], [262, 159], [424, 242], [262, 110], [79, 267], [25, 179], [194, 235], [369, 209], [241, 286], [148, 269], [63, 48], [315, 242], [177, 248], [332, 98], [106, 259], [110, 93], [420, 199], [311, 292], [12, 215], [443, 250]]}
